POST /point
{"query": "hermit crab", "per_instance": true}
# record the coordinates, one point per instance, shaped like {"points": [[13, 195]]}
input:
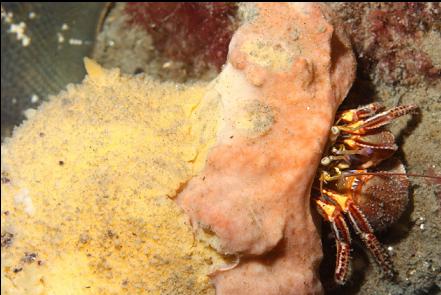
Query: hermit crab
{"points": [[358, 182]]}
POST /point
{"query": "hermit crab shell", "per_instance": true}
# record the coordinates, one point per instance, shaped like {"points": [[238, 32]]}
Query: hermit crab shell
{"points": [[382, 198]]}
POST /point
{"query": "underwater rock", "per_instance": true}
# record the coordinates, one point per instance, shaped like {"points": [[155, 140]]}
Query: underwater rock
{"points": [[395, 43], [193, 33]]}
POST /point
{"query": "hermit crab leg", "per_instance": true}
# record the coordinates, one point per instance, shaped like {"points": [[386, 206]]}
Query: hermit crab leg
{"points": [[354, 115], [378, 120], [386, 117], [363, 229], [383, 140], [342, 239]]}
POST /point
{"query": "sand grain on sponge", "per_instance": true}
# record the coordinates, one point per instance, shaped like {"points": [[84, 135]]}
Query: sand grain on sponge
{"points": [[293, 65]]}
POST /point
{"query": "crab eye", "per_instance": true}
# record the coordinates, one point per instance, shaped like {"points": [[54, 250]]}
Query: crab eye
{"points": [[335, 130], [325, 161]]}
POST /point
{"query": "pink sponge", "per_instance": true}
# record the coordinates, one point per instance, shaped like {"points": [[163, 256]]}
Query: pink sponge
{"points": [[288, 70]]}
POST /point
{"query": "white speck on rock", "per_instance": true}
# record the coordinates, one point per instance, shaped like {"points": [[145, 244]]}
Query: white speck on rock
{"points": [[29, 113], [26, 41], [60, 38], [34, 98], [7, 16], [73, 41], [19, 30], [166, 65]]}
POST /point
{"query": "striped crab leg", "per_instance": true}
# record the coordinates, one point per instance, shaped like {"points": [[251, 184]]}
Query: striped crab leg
{"points": [[363, 229], [378, 120], [354, 115], [342, 239]]}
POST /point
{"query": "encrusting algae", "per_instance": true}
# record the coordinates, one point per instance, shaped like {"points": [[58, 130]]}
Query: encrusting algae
{"points": [[87, 188]]}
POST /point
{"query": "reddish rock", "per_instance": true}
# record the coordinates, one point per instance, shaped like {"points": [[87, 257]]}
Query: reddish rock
{"points": [[388, 39], [197, 34]]}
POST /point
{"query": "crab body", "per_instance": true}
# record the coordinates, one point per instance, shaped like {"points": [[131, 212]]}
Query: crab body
{"points": [[351, 193]]}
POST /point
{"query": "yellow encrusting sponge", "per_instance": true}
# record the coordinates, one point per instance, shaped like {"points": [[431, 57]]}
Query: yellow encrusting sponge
{"points": [[87, 188]]}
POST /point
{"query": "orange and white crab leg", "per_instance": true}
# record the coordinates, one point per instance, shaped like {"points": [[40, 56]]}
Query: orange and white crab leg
{"points": [[342, 239], [363, 229], [379, 120], [383, 140], [354, 115]]}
